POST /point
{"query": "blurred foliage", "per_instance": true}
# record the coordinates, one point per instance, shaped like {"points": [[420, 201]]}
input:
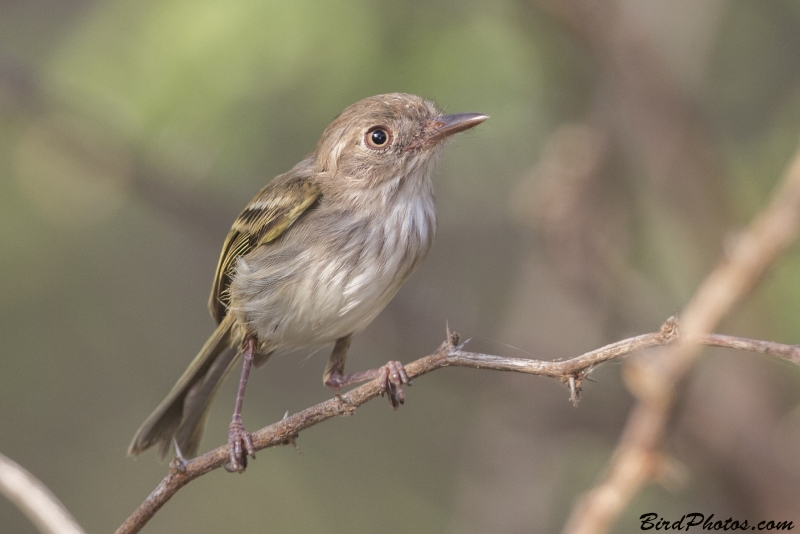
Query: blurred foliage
{"points": [[626, 145]]}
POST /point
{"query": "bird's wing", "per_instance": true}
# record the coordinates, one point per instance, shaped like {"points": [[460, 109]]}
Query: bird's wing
{"points": [[273, 210]]}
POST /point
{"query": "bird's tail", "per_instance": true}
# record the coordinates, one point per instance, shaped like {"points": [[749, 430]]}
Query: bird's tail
{"points": [[183, 413]]}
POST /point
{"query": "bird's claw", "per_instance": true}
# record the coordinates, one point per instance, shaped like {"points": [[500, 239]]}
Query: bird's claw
{"points": [[178, 464], [240, 445], [392, 376]]}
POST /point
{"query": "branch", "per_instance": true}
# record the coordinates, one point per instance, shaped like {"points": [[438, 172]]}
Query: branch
{"points": [[35, 500], [449, 354], [637, 459]]}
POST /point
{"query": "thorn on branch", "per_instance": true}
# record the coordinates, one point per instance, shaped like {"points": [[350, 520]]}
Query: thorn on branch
{"points": [[589, 378], [669, 330], [292, 440], [575, 389]]}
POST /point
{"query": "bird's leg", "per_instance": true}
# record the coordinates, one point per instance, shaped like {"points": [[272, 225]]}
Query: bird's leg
{"points": [[178, 464], [392, 375], [240, 442]]}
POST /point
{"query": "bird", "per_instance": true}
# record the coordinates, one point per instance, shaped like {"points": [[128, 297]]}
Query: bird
{"points": [[313, 258]]}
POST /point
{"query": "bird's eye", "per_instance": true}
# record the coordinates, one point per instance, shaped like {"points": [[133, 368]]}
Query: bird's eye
{"points": [[378, 137]]}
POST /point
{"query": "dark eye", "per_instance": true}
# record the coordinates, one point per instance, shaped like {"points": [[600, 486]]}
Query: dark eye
{"points": [[378, 137]]}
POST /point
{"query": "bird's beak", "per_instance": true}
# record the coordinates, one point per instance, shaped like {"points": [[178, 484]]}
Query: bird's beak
{"points": [[448, 125]]}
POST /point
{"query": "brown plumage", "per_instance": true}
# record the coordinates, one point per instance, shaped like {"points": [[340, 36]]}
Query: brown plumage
{"points": [[314, 257]]}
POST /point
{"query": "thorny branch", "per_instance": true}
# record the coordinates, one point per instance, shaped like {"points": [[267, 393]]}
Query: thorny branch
{"points": [[449, 354]]}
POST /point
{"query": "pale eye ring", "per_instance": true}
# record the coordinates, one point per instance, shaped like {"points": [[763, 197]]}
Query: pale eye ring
{"points": [[378, 137]]}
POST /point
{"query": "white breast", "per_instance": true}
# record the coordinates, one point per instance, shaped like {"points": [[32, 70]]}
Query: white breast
{"points": [[334, 278]]}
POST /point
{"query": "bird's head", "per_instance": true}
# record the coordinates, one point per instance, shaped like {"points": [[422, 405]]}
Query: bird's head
{"points": [[387, 137]]}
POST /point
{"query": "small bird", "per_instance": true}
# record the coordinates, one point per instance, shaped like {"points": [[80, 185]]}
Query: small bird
{"points": [[313, 259]]}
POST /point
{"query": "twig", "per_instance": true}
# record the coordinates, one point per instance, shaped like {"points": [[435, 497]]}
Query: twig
{"points": [[449, 354], [637, 458], [35, 500]]}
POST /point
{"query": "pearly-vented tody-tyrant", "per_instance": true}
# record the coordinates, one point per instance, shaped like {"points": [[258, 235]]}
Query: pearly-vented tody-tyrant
{"points": [[314, 257]]}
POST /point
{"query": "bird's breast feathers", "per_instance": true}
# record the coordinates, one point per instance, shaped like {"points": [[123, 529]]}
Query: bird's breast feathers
{"points": [[335, 270]]}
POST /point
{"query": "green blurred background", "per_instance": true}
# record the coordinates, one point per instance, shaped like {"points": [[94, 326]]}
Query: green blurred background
{"points": [[628, 142]]}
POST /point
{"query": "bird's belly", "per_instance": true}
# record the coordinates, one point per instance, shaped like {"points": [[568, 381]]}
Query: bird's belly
{"points": [[317, 296], [342, 305], [334, 271]]}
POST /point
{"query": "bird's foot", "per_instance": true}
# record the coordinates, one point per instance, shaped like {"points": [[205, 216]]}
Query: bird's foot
{"points": [[178, 464], [240, 445], [392, 377]]}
